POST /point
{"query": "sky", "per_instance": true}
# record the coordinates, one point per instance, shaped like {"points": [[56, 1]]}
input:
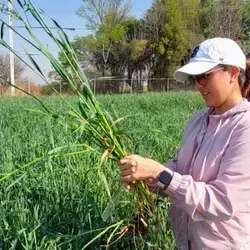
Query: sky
{"points": [[64, 12]]}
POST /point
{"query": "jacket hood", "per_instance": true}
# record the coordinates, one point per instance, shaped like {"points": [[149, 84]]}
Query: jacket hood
{"points": [[238, 108]]}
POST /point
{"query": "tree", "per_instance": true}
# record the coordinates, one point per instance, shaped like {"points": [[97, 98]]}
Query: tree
{"points": [[246, 23], [140, 54], [131, 51], [5, 69], [224, 18], [105, 18], [173, 30], [95, 12]]}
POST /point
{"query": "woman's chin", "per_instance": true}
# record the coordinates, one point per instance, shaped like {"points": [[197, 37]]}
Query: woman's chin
{"points": [[209, 104]]}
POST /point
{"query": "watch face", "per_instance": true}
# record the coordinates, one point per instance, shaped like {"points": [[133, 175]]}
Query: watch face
{"points": [[165, 177]]}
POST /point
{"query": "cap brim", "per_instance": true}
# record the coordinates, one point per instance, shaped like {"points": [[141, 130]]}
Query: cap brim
{"points": [[193, 68]]}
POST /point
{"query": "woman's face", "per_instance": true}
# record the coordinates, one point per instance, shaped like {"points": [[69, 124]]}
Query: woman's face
{"points": [[216, 86]]}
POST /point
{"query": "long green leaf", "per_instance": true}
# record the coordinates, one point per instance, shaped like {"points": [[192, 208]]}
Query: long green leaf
{"points": [[2, 30], [20, 3], [34, 63], [13, 183]]}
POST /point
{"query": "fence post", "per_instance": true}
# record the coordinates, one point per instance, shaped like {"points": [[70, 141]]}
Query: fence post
{"points": [[168, 85], [163, 86]]}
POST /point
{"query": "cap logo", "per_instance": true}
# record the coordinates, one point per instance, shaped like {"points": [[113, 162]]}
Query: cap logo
{"points": [[195, 51]]}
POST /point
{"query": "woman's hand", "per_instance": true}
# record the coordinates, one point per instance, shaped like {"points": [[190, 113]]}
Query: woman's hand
{"points": [[135, 168]]}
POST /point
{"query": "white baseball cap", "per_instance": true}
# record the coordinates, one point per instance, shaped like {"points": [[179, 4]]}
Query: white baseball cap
{"points": [[209, 54]]}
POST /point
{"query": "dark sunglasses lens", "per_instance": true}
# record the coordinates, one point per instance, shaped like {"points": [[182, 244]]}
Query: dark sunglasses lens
{"points": [[199, 77]]}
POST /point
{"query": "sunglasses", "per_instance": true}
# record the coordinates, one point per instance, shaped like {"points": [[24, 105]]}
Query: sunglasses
{"points": [[199, 78]]}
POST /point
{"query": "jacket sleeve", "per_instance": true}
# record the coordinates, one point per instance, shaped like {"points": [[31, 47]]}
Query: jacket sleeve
{"points": [[223, 197], [171, 164]]}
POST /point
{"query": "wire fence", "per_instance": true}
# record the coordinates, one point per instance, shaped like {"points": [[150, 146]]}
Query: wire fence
{"points": [[101, 85], [27, 86], [125, 85]]}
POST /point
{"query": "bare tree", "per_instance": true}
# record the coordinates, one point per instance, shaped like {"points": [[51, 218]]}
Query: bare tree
{"points": [[95, 11], [5, 69], [105, 18], [225, 19], [154, 20]]}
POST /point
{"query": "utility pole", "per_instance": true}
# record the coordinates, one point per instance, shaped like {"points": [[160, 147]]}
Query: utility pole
{"points": [[11, 40]]}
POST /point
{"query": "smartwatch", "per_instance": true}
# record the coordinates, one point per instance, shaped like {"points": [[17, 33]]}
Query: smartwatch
{"points": [[164, 179]]}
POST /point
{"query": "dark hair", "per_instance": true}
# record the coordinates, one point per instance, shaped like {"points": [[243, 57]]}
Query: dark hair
{"points": [[244, 81]]}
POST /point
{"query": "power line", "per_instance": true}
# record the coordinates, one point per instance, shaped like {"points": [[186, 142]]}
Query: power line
{"points": [[64, 28], [30, 50]]}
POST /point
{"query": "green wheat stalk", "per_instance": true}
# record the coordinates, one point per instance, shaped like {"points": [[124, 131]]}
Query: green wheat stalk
{"points": [[103, 129]]}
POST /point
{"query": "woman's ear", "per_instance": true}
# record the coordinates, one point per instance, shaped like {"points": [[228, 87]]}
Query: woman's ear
{"points": [[235, 72]]}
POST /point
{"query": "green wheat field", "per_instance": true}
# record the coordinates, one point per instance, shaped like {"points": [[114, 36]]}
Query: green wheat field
{"points": [[67, 202]]}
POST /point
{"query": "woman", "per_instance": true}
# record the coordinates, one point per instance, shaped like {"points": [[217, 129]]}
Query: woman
{"points": [[209, 181]]}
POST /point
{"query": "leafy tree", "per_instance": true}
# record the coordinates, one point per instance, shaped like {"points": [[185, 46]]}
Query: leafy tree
{"points": [[174, 30], [158, 43], [132, 52], [128, 50]]}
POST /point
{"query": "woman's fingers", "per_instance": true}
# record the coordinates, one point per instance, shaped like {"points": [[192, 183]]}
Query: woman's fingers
{"points": [[128, 178], [124, 167], [128, 163], [128, 168], [129, 186], [126, 172], [125, 160]]}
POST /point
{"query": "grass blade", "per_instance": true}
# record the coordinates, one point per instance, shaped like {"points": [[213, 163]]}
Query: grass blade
{"points": [[102, 233], [34, 63]]}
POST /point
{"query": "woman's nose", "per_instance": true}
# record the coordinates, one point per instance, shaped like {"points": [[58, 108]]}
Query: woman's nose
{"points": [[198, 86], [200, 83]]}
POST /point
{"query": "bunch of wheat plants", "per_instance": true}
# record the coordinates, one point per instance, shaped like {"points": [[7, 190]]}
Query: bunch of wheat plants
{"points": [[90, 118]]}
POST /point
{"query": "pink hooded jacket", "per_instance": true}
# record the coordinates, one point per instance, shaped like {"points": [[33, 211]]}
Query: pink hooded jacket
{"points": [[210, 189]]}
